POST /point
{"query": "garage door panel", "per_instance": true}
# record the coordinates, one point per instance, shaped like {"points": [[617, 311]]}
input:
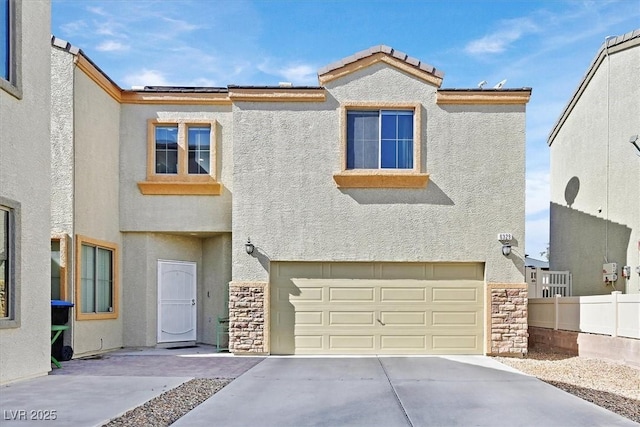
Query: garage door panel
{"points": [[454, 343], [403, 318], [454, 318], [398, 294], [351, 318], [457, 271], [309, 342], [351, 294], [351, 342], [376, 308], [392, 270], [312, 294], [403, 342], [359, 270], [454, 294], [311, 318]]}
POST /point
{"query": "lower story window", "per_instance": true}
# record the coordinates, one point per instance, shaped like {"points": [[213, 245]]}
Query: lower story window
{"points": [[9, 263], [98, 285], [5, 262]]}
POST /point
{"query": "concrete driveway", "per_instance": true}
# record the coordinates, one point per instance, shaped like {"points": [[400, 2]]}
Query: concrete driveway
{"points": [[393, 391]]}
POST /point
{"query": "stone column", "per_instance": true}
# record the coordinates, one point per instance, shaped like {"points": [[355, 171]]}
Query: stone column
{"points": [[507, 319], [248, 317]]}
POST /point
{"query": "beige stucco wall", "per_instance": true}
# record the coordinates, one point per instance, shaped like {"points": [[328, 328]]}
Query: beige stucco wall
{"points": [[62, 142], [96, 131], [600, 218], [25, 179], [172, 213], [141, 254], [213, 289], [286, 200]]}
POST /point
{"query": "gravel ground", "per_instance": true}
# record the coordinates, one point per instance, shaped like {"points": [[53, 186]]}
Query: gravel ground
{"points": [[165, 409], [610, 385]]}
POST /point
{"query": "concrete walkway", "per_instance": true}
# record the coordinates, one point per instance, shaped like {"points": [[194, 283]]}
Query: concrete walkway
{"points": [[394, 391], [298, 391], [91, 392]]}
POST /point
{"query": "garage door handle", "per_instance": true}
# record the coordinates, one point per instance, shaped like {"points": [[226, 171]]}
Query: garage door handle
{"points": [[380, 321]]}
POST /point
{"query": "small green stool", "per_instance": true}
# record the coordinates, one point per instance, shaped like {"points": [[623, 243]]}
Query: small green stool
{"points": [[58, 329]]}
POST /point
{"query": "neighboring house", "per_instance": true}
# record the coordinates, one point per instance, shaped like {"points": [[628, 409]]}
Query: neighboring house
{"points": [[595, 174], [25, 322], [373, 205]]}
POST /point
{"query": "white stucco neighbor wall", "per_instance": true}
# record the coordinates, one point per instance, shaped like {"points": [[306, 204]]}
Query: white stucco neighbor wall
{"points": [[172, 213], [25, 183], [286, 200], [595, 179], [96, 196]]}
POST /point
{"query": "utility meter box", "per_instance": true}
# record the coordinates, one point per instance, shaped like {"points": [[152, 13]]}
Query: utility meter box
{"points": [[610, 272]]}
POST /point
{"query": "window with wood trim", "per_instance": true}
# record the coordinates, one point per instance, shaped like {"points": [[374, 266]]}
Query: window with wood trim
{"points": [[181, 158], [381, 146], [96, 279]]}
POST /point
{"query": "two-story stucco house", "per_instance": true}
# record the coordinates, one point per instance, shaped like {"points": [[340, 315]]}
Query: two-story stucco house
{"points": [[358, 216], [25, 323], [595, 174]]}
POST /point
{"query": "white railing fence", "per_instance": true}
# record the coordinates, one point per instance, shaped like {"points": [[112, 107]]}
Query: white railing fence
{"points": [[617, 314], [547, 284]]}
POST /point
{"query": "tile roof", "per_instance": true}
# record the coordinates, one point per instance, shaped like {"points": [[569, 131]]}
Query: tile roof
{"points": [[414, 62]]}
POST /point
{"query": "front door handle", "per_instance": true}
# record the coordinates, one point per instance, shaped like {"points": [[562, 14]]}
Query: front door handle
{"points": [[380, 321], [193, 302]]}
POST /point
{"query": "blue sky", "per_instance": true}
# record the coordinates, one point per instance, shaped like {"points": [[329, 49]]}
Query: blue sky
{"points": [[545, 45]]}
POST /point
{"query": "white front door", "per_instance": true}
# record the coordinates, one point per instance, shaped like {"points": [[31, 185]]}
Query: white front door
{"points": [[176, 301]]}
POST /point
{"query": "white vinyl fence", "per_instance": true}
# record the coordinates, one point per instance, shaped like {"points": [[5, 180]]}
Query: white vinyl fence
{"points": [[547, 284], [617, 314]]}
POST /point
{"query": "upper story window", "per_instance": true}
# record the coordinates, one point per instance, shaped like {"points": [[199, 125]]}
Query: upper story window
{"points": [[181, 158], [381, 146], [199, 143], [10, 14], [4, 39], [380, 139]]}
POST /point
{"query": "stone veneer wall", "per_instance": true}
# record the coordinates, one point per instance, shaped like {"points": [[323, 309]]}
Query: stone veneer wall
{"points": [[248, 320], [508, 334]]}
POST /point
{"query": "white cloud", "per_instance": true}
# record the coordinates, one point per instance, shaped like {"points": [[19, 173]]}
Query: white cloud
{"points": [[537, 192], [146, 78], [112, 46], [499, 40], [74, 28], [301, 74], [97, 11], [298, 74]]}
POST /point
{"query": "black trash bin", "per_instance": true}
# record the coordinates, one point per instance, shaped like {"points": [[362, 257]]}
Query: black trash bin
{"points": [[60, 316]]}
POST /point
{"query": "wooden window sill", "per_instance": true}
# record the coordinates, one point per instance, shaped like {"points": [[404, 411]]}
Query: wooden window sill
{"points": [[381, 179], [211, 188]]}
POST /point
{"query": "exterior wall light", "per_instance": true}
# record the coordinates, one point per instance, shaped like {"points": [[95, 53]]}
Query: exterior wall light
{"points": [[634, 141], [505, 239], [249, 247]]}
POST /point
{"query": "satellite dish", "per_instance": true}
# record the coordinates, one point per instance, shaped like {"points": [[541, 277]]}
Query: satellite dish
{"points": [[500, 84], [481, 84]]}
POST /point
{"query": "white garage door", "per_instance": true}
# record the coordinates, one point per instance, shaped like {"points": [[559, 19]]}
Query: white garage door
{"points": [[377, 308]]}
